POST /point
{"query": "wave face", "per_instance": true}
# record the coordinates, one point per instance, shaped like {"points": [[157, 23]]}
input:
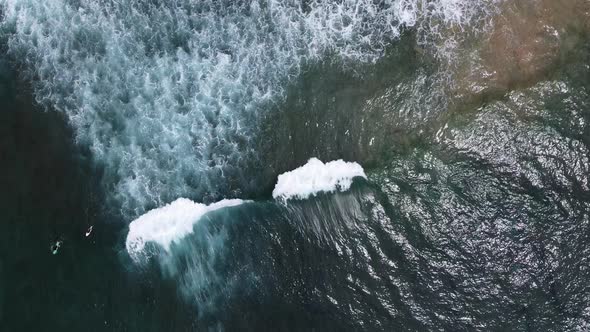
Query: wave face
{"points": [[167, 94]]}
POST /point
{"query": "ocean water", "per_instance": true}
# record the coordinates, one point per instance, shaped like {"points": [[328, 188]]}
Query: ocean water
{"points": [[334, 165]]}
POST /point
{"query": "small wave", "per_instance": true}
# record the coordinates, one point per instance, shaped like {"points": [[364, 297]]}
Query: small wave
{"points": [[168, 224], [315, 177]]}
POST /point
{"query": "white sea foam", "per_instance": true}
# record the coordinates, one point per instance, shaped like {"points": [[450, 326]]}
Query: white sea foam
{"points": [[166, 94], [315, 177], [169, 223]]}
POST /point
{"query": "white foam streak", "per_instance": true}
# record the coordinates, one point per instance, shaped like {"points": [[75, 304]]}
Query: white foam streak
{"points": [[169, 223], [315, 177]]}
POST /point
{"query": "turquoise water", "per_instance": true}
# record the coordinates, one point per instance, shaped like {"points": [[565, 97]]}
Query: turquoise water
{"points": [[473, 215]]}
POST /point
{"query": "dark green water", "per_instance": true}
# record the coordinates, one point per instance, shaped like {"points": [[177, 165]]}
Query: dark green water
{"points": [[473, 217]]}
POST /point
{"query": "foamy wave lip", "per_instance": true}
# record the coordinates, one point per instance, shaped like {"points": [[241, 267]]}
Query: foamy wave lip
{"points": [[169, 223], [315, 177]]}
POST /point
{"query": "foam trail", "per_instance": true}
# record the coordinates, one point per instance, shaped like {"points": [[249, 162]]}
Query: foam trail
{"points": [[315, 177], [169, 223]]}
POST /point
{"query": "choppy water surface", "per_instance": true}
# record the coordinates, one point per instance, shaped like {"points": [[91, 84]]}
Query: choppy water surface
{"points": [[469, 118]]}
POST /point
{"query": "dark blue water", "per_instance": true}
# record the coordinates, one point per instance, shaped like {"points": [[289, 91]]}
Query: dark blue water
{"points": [[475, 213]]}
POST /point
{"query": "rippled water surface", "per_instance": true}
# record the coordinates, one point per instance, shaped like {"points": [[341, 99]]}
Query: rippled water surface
{"points": [[469, 119]]}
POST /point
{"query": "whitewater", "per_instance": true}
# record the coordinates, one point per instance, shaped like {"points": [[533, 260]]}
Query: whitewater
{"points": [[168, 95]]}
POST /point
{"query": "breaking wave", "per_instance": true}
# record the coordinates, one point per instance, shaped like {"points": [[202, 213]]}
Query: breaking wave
{"points": [[173, 222], [315, 177], [210, 251], [168, 224]]}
